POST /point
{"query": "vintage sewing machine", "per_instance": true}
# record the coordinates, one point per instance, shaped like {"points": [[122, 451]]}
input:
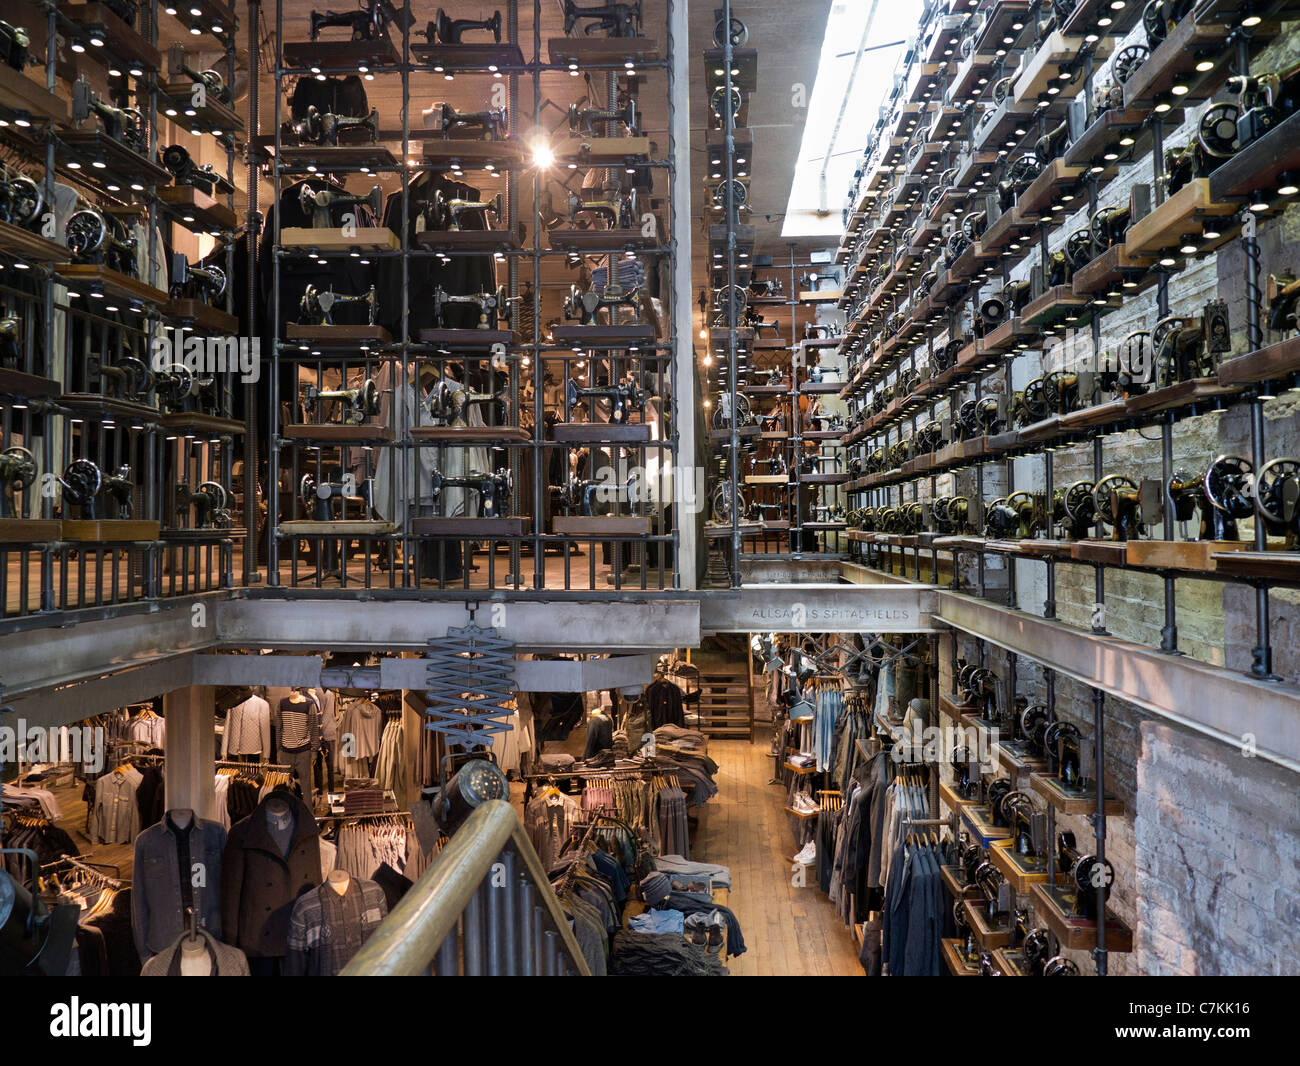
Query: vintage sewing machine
{"points": [[211, 80], [951, 515], [616, 208], [1187, 348], [447, 403], [583, 494], [591, 121], [18, 473], [447, 30], [184, 171], [1063, 746], [122, 124], [318, 497], [623, 397], [209, 503], [131, 379], [98, 494], [1281, 293], [1089, 877], [775, 464], [767, 287], [999, 895], [323, 128], [14, 43], [816, 330], [928, 437], [370, 22], [724, 409], [322, 203], [317, 307], [492, 123], [21, 200], [493, 490], [1108, 227], [1029, 841], [945, 357], [101, 239], [10, 341], [1116, 501], [491, 305], [191, 282], [1016, 516], [1052, 144], [1073, 510], [1019, 176], [1035, 949], [1264, 101], [1032, 721], [178, 389], [1159, 17], [1215, 141], [1277, 498], [980, 417], [585, 307], [359, 403], [1029, 405], [614, 20], [722, 103], [1223, 495], [977, 687], [1009, 302]]}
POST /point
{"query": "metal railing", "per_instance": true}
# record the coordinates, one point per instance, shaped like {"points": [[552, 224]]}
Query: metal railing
{"points": [[484, 908]]}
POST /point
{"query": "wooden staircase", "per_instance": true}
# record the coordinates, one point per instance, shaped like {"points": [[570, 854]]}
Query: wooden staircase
{"points": [[726, 700]]}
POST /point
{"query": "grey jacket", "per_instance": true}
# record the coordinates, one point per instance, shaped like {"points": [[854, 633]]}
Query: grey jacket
{"points": [[157, 917], [226, 961]]}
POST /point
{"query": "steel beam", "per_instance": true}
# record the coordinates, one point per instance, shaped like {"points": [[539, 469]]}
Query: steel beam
{"points": [[805, 608]]}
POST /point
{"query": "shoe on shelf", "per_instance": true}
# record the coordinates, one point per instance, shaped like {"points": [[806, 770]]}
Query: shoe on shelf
{"points": [[808, 856]]}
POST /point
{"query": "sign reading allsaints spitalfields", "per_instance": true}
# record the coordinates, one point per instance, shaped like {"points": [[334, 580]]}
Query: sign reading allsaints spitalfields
{"points": [[818, 608]]}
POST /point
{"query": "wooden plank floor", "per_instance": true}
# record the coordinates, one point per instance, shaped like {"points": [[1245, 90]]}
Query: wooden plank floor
{"points": [[788, 931]]}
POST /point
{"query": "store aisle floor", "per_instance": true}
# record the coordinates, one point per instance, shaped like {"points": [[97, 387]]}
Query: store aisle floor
{"points": [[789, 931]]}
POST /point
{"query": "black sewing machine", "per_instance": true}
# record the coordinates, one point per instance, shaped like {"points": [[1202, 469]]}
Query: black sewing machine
{"points": [[587, 119], [976, 686], [1088, 876], [585, 306], [582, 495], [623, 398], [1159, 18], [1062, 743], [1264, 101], [323, 128], [370, 22], [444, 212], [1029, 405], [618, 210], [445, 30], [209, 503], [21, 200], [101, 239], [999, 896], [1032, 721], [316, 307], [1017, 515], [493, 490], [447, 403], [191, 282], [184, 171], [1028, 830], [1116, 501], [322, 203], [17, 474], [491, 305], [966, 777], [767, 287], [775, 464], [359, 403], [1073, 510], [14, 42], [491, 122], [211, 80], [10, 341], [1019, 176], [976, 418], [951, 514], [317, 496], [86, 486], [1277, 498], [131, 379], [178, 388], [1036, 950], [1223, 495], [615, 20], [122, 124]]}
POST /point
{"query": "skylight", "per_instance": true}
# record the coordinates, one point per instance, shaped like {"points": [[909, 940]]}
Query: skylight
{"points": [[820, 183]]}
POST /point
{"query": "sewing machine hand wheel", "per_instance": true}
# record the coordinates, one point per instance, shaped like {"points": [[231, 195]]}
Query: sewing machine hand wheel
{"points": [[1001, 89], [1128, 60], [216, 491], [1078, 502], [1102, 498], [1036, 402], [307, 489], [1078, 247], [175, 381], [26, 199], [1153, 22], [81, 481], [1099, 227], [1270, 495], [20, 465], [1229, 485], [86, 232], [1020, 495], [736, 30], [1217, 131]]}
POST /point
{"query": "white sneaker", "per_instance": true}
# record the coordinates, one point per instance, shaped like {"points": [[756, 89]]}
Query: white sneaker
{"points": [[808, 856]]}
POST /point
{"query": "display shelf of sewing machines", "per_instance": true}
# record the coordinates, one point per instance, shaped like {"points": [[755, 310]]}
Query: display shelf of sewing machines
{"points": [[821, 296], [953, 878], [1182, 213], [821, 388], [1276, 362], [1099, 552], [1021, 870], [1174, 57], [467, 435], [1045, 190], [597, 241], [468, 240], [329, 433], [953, 709], [123, 166], [743, 432], [83, 278], [472, 528], [1278, 567], [1003, 339], [1073, 801], [955, 959], [30, 530], [602, 151], [1008, 116], [1183, 394], [1016, 760], [341, 55], [338, 527], [475, 154], [596, 52], [334, 158], [109, 530], [830, 478], [765, 390], [29, 386], [120, 41], [204, 16], [1111, 269], [199, 423], [715, 531], [468, 56], [1054, 905], [1102, 138], [603, 432], [1258, 165], [1055, 305], [20, 93], [361, 333], [987, 934], [1112, 412], [18, 243], [767, 479], [213, 117], [630, 335], [978, 821], [1199, 556], [197, 211], [603, 525], [339, 239], [1044, 68], [204, 316], [1004, 229], [456, 339], [1045, 548]]}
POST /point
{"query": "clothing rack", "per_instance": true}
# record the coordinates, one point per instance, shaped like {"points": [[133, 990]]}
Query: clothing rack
{"points": [[235, 763], [87, 867], [394, 815]]}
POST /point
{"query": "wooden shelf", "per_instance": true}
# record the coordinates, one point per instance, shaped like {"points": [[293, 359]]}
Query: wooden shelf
{"points": [[30, 247], [120, 39], [456, 339], [602, 433], [123, 164], [196, 210], [333, 239], [1182, 213], [362, 334], [986, 934], [1022, 871], [603, 526], [463, 528], [956, 962], [1054, 907], [1071, 802], [468, 240], [30, 530], [338, 158], [1100, 552], [593, 241], [336, 434], [631, 335], [468, 435], [343, 527], [1174, 56], [109, 530], [480, 55], [598, 51], [20, 93], [1102, 138], [93, 277], [1056, 304], [1199, 556], [347, 55], [978, 823], [1182, 394], [476, 154], [1279, 566], [213, 116], [1258, 165], [196, 312], [602, 151], [1277, 362], [199, 423]]}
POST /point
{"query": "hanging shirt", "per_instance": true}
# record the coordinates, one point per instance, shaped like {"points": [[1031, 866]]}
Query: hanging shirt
{"points": [[248, 729]]}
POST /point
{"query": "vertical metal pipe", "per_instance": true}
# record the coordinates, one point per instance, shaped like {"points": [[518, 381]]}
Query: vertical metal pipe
{"points": [[448, 959], [473, 926], [509, 915], [1049, 485], [1168, 634], [527, 925], [1099, 823], [1261, 656], [550, 954]]}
